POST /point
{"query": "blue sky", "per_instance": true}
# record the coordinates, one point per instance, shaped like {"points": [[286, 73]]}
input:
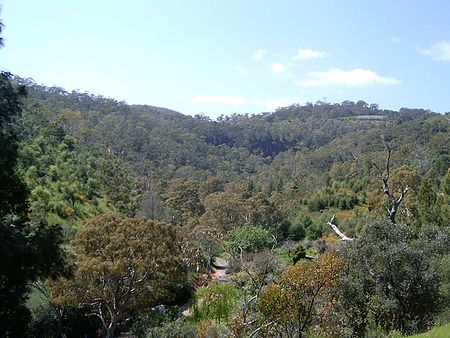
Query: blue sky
{"points": [[225, 56]]}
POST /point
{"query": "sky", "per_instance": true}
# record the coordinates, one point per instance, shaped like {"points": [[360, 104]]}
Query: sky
{"points": [[235, 56]]}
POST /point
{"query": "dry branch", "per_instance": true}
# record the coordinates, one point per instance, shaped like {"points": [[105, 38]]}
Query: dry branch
{"points": [[337, 231], [394, 202]]}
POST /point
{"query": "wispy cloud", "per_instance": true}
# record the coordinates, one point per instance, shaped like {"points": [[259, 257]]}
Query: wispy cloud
{"points": [[396, 39], [259, 103], [338, 77], [306, 54], [241, 70], [274, 103], [259, 54], [220, 99], [439, 51], [277, 68]]}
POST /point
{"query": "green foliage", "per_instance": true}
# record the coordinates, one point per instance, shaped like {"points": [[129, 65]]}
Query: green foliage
{"points": [[178, 328], [249, 238], [431, 206], [339, 201], [123, 264], [298, 254], [82, 155], [47, 321], [437, 332], [215, 301], [301, 296], [70, 182], [314, 231], [28, 250], [296, 230], [151, 323], [390, 281], [183, 200]]}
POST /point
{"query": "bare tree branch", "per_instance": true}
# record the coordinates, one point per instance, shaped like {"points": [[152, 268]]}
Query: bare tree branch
{"points": [[260, 328], [393, 201], [337, 231]]}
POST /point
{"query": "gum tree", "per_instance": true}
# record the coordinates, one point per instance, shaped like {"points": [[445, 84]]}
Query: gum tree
{"points": [[123, 264]]}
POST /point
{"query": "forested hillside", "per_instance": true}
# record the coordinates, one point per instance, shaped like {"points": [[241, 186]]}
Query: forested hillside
{"points": [[146, 198]]}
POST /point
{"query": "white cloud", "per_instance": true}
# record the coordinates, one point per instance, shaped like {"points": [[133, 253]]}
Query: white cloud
{"points": [[259, 54], [221, 99], [337, 77], [306, 54], [241, 70], [277, 68], [439, 51], [274, 103]]}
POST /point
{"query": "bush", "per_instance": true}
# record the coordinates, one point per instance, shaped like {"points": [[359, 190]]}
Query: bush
{"points": [[250, 239], [215, 301], [151, 321], [175, 329], [314, 231], [296, 232], [390, 280]]}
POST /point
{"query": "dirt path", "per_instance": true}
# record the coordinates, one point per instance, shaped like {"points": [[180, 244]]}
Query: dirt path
{"points": [[219, 270]]}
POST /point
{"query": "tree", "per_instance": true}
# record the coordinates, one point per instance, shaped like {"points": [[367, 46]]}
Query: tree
{"points": [[394, 201], [389, 278], [253, 272], [431, 207], [124, 264], [184, 201], [249, 238], [28, 250], [14, 272], [223, 211], [303, 294]]}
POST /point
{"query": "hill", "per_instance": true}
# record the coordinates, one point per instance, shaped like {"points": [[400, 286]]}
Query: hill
{"points": [[294, 154], [260, 190]]}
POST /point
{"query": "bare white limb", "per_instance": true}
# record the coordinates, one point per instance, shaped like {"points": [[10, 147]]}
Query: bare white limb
{"points": [[337, 231], [260, 328]]}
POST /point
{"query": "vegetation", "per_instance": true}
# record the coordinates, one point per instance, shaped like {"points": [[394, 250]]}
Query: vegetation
{"points": [[122, 265], [437, 332], [215, 302], [29, 249], [303, 292], [111, 216], [249, 239]]}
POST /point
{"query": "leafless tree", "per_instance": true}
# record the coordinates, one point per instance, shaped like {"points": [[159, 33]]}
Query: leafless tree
{"points": [[394, 201]]}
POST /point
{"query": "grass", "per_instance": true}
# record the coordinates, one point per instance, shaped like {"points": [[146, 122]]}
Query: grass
{"points": [[437, 332]]}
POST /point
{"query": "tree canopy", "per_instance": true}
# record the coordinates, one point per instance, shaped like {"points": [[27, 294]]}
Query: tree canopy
{"points": [[123, 264]]}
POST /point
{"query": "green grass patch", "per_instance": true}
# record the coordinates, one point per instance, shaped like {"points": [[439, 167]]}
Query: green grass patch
{"points": [[437, 332]]}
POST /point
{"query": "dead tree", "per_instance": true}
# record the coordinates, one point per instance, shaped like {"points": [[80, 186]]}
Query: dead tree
{"points": [[394, 202]]}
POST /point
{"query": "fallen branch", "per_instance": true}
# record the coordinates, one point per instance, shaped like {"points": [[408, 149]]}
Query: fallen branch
{"points": [[337, 231]]}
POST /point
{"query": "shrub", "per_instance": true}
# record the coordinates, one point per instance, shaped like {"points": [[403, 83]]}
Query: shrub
{"points": [[249, 238], [215, 301]]}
